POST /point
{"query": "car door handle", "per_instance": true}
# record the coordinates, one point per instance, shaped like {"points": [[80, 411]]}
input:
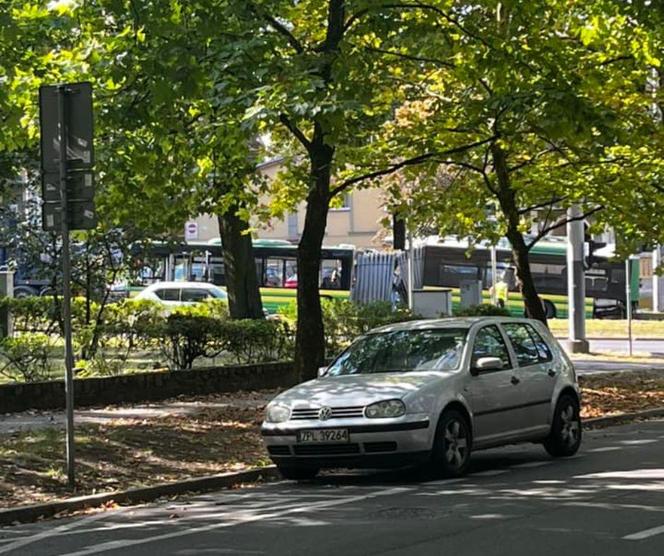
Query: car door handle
{"points": [[514, 380], [551, 372]]}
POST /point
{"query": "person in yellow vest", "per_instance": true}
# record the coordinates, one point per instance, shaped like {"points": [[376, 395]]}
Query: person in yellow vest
{"points": [[501, 289]]}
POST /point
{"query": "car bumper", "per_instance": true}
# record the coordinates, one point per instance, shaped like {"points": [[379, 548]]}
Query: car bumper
{"points": [[370, 445]]}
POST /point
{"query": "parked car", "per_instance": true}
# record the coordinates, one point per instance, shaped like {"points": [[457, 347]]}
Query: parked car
{"points": [[181, 293], [429, 392]]}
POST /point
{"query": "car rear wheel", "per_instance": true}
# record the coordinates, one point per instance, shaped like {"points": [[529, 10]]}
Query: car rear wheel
{"points": [[565, 437], [451, 452], [294, 473]]}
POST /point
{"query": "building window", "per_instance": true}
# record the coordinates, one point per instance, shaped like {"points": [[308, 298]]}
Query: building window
{"points": [[343, 205]]}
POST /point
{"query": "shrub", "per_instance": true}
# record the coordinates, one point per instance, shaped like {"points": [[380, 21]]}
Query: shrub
{"points": [[344, 320], [27, 357], [256, 341], [483, 310]]}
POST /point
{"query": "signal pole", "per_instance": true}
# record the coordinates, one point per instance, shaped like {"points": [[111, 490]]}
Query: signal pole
{"points": [[576, 283]]}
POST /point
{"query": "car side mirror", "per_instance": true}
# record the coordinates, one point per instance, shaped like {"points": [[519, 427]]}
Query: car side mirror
{"points": [[484, 364], [322, 371]]}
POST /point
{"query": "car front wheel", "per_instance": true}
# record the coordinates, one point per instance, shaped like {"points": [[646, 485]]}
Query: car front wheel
{"points": [[565, 436], [451, 452], [297, 473]]}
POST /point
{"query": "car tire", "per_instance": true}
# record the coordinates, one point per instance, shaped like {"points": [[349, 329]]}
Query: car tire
{"points": [[550, 309], [565, 436], [452, 445], [297, 473]]}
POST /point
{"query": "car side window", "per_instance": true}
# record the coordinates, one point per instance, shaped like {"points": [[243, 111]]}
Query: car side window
{"points": [[523, 343], [193, 295], [168, 294], [543, 350], [489, 343]]}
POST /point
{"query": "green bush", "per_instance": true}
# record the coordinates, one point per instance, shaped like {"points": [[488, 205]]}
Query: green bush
{"points": [[483, 310], [343, 320], [257, 341], [27, 358]]}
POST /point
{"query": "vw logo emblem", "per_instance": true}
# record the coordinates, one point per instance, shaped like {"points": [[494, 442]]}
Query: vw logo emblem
{"points": [[324, 413]]}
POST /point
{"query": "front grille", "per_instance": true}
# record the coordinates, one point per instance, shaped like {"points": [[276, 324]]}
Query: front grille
{"points": [[337, 413], [326, 449], [371, 447], [279, 450]]}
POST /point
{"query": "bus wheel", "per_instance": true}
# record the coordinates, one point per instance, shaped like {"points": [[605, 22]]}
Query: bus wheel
{"points": [[550, 309]]}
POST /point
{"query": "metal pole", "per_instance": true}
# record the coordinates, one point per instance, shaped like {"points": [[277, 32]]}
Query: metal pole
{"points": [[494, 271], [628, 302], [576, 283], [411, 268], [66, 289], [656, 280]]}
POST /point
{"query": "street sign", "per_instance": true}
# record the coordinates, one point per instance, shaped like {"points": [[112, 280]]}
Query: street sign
{"points": [[78, 107], [80, 215], [191, 231], [80, 186], [67, 158]]}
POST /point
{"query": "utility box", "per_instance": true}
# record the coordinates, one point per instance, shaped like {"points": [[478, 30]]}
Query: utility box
{"points": [[471, 293], [6, 290], [432, 304]]}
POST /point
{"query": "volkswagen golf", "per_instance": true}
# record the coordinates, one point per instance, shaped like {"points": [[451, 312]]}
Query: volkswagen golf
{"points": [[429, 392]]}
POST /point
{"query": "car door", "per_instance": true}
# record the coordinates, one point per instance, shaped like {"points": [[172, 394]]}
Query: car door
{"points": [[537, 371], [494, 395]]}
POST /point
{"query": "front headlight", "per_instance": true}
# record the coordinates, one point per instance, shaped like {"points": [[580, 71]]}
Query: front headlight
{"points": [[388, 408], [277, 413]]}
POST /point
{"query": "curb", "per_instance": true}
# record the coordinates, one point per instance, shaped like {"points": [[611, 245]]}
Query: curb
{"points": [[25, 514], [621, 418], [617, 338]]}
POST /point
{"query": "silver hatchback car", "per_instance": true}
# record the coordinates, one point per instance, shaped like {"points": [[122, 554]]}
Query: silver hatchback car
{"points": [[429, 392]]}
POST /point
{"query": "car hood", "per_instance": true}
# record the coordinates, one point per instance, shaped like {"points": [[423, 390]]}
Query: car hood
{"points": [[355, 390]]}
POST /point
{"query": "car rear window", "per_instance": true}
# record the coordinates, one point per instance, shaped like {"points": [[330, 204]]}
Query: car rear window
{"points": [[195, 294], [168, 294], [529, 346]]}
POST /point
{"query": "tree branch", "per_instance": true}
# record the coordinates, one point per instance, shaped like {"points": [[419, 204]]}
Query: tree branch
{"points": [[404, 163], [561, 222], [552, 202], [296, 131], [279, 28]]}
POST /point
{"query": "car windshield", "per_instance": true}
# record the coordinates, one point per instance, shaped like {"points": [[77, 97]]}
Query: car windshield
{"points": [[402, 351]]}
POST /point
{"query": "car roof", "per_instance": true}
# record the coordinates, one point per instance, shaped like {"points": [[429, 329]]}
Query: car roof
{"points": [[204, 285], [448, 322]]}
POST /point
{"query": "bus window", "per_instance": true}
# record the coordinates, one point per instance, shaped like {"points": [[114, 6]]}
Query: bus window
{"points": [[330, 274], [452, 275], [290, 273], [274, 273]]}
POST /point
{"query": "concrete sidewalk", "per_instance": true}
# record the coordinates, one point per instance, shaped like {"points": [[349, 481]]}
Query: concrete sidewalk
{"points": [[30, 420]]}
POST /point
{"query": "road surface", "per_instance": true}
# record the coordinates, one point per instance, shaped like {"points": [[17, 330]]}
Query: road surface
{"points": [[607, 500]]}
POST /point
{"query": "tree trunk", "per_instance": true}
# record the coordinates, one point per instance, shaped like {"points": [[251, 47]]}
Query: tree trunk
{"points": [[310, 338], [507, 200], [398, 232], [244, 298]]}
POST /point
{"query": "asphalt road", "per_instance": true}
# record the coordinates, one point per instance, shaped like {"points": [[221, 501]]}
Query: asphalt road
{"points": [[608, 500]]}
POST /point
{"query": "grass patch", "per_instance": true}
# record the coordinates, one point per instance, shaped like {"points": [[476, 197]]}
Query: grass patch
{"points": [[606, 328]]}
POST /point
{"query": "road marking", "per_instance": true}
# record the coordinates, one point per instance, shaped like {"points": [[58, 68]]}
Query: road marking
{"points": [[607, 449], [645, 534], [491, 473], [50, 532], [241, 518], [638, 442], [530, 464]]}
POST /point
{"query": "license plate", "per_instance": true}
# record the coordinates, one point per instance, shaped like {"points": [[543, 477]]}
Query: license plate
{"points": [[323, 435]]}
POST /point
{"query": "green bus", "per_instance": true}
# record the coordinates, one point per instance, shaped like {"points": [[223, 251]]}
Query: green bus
{"points": [[276, 267], [448, 263]]}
